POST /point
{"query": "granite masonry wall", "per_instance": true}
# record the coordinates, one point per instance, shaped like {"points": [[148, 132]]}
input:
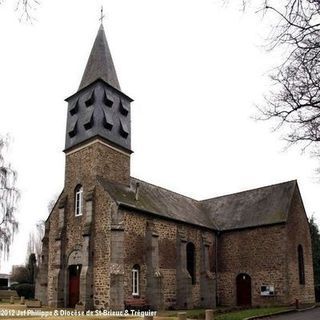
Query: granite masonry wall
{"points": [[108, 241], [84, 239], [298, 233], [259, 253], [162, 270], [269, 255]]}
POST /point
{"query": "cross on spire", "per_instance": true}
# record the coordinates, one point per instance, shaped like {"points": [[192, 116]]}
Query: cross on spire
{"points": [[102, 16]]}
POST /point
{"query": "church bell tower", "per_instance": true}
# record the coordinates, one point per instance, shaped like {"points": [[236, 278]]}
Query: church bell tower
{"points": [[99, 119]]}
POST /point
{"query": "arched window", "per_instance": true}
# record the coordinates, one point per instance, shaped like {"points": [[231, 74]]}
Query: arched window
{"points": [[135, 280], [78, 201], [301, 265], [191, 261]]}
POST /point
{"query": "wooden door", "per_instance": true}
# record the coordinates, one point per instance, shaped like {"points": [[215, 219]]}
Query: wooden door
{"points": [[74, 285], [243, 290]]}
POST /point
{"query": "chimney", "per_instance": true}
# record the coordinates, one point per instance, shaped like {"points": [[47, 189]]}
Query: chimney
{"points": [[137, 191]]}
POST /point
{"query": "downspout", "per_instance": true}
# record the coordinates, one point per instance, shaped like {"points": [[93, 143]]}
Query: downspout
{"points": [[216, 267]]}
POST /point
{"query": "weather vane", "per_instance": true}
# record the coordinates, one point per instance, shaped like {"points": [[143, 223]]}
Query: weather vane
{"points": [[102, 16]]}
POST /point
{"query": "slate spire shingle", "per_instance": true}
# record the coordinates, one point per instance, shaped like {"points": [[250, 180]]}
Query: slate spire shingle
{"points": [[99, 109], [100, 63]]}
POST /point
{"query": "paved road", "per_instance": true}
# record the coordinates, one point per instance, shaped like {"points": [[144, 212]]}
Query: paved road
{"points": [[313, 314]]}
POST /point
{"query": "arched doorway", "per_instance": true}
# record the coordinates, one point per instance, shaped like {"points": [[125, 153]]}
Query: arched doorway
{"points": [[72, 279], [243, 290], [74, 284]]}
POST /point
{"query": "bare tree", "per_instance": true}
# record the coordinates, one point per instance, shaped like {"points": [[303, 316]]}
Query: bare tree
{"points": [[294, 101], [25, 9], [20, 274], [52, 202], [35, 241], [25, 273], [9, 196], [37, 234]]}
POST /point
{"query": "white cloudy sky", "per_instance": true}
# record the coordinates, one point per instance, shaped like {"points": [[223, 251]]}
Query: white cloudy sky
{"points": [[195, 70]]}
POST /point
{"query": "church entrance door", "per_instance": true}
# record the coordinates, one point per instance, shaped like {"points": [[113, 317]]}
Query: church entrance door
{"points": [[243, 290], [74, 284]]}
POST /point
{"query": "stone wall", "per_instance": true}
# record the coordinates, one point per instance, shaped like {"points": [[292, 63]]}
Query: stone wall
{"points": [[96, 159], [167, 265], [74, 240], [118, 240], [298, 233], [260, 253], [108, 242], [101, 248], [89, 235], [53, 223], [269, 255]]}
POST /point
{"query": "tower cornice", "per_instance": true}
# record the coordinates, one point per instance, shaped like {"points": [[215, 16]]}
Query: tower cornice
{"points": [[92, 85], [101, 140]]}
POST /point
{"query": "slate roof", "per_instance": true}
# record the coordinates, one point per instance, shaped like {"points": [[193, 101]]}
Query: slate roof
{"points": [[252, 208], [100, 64], [99, 108], [159, 201]]}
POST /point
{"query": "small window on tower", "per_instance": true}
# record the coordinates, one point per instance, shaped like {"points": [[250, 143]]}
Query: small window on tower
{"points": [[123, 108], [74, 108], [88, 120], [107, 100], [89, 102], [124, 131], [73, 128], [107, 120], [78, 200]]}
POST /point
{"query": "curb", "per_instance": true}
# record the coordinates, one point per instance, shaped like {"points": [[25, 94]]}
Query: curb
{"points": [[271, 314], [281, 312], [306, 309]]}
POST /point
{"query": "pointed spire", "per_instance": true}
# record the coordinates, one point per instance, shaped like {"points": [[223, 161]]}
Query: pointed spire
{"points": [[100, 64]]}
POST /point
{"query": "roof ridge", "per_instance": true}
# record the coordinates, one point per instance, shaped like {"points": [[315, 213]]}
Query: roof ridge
{"points": [[248, 190]]}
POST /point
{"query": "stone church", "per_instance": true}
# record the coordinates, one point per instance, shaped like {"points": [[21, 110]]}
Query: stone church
{"points": [[113, 241]]}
